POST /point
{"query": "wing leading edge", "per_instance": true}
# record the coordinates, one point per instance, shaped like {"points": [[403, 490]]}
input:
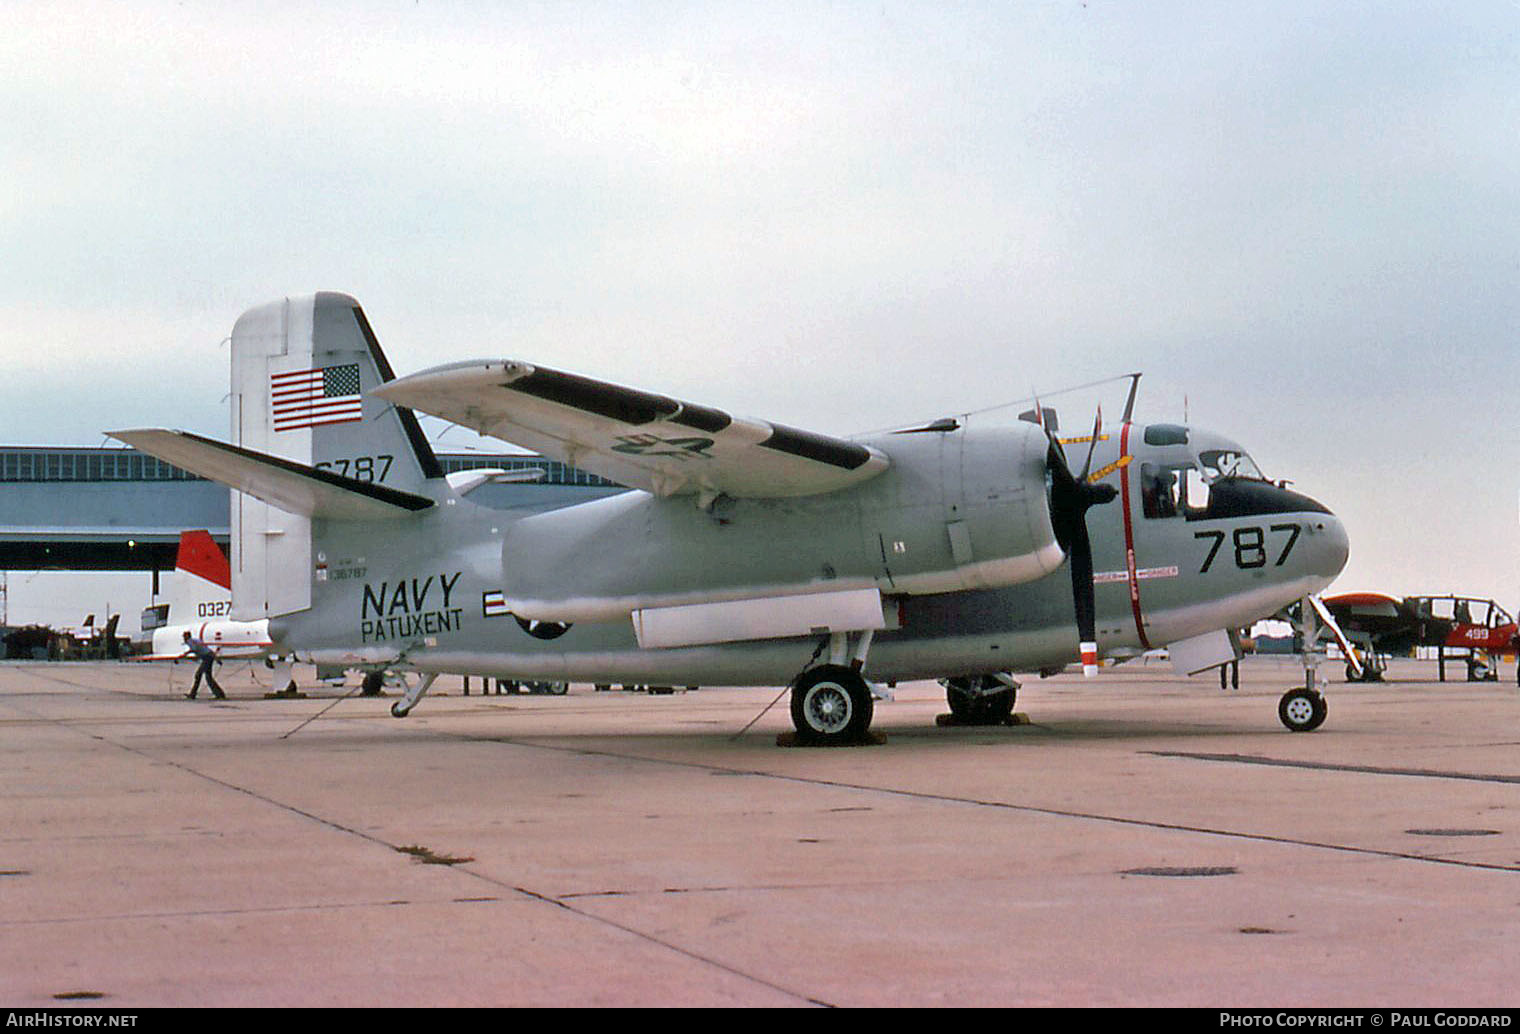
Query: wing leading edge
{"points": [[636, 438]]}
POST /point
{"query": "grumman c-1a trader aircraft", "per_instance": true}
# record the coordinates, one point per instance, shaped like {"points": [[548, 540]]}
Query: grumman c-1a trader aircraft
{"points": [[746, 552]]}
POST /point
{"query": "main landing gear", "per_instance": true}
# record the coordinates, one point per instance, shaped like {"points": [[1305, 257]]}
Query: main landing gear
{"points": [[980, 699], [1373, 667], [832, 704]]}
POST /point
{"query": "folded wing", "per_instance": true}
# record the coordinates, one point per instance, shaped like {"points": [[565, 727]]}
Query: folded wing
{"points": [[638, 439]]}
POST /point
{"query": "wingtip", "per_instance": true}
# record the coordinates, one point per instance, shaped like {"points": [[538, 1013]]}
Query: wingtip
{"points": [[134, 435]]}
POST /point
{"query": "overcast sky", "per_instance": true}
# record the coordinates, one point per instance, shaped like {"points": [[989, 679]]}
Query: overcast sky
{"points": [[1301, 221]]}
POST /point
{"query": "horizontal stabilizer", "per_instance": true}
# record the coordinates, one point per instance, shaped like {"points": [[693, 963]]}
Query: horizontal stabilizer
{"points": [[293, 487]]}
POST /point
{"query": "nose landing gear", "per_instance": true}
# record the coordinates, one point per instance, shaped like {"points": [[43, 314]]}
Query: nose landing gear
{"points": [[1302, 710]]}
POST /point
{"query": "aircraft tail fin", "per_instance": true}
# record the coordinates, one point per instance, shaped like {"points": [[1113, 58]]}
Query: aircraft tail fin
{"points": [[302, 369], [308, 441], [201, 585], [199, 556], [113, 648]]}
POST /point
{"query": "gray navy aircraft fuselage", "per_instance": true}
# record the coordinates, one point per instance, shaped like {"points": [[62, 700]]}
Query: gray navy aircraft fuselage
{"points": [[748, 554]]}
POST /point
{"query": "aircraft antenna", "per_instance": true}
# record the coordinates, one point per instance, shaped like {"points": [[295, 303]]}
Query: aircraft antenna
{"points": [[1129, 406], [1036, 398], [1056, 394]]}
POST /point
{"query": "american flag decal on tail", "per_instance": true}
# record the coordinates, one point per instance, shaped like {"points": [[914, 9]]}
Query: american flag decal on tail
{"points": [[312, 398]]}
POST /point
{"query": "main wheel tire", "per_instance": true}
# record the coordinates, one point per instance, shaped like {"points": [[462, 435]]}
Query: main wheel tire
{"points": [[970, 707], [831, 704], [1302, 710]]}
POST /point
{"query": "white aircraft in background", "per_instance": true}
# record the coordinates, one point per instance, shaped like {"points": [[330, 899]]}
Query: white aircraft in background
{"points": [[199, 601]]}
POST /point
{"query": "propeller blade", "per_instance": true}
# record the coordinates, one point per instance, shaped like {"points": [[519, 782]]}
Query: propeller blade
{"points": [[1103, 471], [1082, 593], [1093, 444], [1070, 499]]}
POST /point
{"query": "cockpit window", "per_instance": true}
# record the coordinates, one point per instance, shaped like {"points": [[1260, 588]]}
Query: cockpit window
{"points": [[1174, 490], [156, 616], [1195, 491], [1228, 463], [1159, 490], [1462, 611]]}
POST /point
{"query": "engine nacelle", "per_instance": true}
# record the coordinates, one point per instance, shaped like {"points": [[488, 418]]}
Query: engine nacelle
{"points": [[956, 510], [971, 510]]}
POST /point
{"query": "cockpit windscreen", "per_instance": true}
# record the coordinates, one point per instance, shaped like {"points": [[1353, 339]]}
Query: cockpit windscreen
{"points": [[1228, 463]]}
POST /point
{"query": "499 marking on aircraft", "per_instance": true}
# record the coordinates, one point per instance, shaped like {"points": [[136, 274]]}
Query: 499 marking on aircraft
{"points": [[745, 552]]}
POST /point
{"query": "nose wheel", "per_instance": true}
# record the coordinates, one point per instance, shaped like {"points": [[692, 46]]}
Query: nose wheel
{"points": [[1302, 710]]}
